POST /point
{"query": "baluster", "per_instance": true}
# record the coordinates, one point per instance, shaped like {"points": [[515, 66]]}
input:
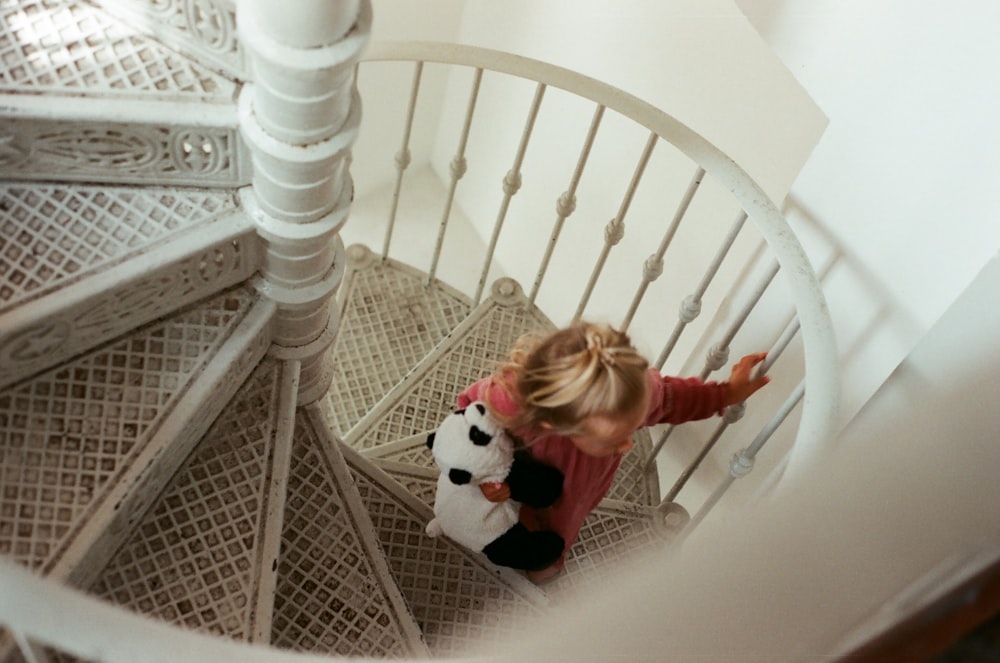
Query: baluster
{"points": [[567, 201], [511, 185], [717, 357], [402, 158], [691, 306], [31, 652], [458, 168], [743, 461], [615, 229], [653, 266]]}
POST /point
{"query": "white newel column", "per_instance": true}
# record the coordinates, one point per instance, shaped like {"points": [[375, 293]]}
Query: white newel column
{"points": [[299, 117]]}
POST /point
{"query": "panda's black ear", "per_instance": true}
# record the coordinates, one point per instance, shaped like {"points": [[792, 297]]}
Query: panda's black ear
{"points": [[459, 477], [479, 438], [481, 408], [430, 440]]}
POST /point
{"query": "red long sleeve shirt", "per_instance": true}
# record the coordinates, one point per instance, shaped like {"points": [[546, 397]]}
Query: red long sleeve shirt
{"points": [[587, 479]]}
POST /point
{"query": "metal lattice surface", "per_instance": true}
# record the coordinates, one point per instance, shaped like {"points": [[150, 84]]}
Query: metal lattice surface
{"points": [[51, 233], [328, 597], [66, 435], [610, 535], [632, 483], [58, 45], [192, 560], [390, 320], [474, 349], [457, 599]]}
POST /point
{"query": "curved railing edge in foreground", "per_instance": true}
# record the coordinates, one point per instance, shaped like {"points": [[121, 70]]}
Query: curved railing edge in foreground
{"points": [[821, 385]]}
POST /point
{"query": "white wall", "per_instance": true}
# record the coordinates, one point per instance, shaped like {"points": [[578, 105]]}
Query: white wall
{"points": [[911, 490], [901, 193]]}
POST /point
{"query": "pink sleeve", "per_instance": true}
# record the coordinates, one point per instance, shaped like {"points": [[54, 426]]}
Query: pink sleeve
{"points": [[678, 400], [489, 390]]}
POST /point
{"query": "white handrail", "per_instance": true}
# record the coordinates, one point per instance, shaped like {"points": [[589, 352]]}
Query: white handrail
{"points": [[818, 421], [47, 613]]}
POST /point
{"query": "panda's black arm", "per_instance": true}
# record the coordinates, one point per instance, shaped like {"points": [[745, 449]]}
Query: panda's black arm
{"points": [[533, 483]]}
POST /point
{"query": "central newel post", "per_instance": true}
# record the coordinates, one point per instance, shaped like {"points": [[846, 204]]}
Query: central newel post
{"points": [[299, 117]]}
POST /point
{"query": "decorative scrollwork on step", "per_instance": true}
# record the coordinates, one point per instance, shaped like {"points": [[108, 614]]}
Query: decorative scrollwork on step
{"points": [[113, 311], [211, 23], [128, 153]]}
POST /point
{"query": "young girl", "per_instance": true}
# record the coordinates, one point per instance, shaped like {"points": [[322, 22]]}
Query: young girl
{"points": [[575, 397]]}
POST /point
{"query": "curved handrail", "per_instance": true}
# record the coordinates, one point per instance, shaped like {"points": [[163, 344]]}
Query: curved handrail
{"points": [[73, 622], [818, 421]]}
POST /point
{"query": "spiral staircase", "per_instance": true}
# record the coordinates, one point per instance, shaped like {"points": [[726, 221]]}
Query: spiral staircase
{"points": [[191, 426]]}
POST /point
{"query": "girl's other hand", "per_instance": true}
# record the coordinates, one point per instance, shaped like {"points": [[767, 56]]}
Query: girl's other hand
{"points": [[495, 492]]}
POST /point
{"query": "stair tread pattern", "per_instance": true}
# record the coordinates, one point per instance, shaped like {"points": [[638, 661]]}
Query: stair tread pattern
{"points": [[390, 319], [51, 234], [329, 598], [67, 47], [458, 598], [192, 560], [612, 531], [68, 434], [428, 393]]}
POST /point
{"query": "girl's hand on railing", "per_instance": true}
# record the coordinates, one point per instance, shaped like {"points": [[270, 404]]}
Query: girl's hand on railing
{"points": [[740, 385], [495, 492]]}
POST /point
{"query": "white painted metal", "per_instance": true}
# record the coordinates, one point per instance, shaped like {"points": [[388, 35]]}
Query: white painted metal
{"points": [[403, 156], [567, 201], [511, 185], [457, 169], [615, 230], [653, 266], [299, 118], [691, 306]]}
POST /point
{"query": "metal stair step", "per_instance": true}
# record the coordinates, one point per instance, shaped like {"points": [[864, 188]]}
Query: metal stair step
{"points": [[71, 47], [192, 560], [427, 394], [75, 440], [391, 318], [334, 593], [458, 597], [54, 234]]}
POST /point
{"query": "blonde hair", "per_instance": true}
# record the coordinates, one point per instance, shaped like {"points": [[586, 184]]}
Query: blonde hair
{"points": [[583, 370]]}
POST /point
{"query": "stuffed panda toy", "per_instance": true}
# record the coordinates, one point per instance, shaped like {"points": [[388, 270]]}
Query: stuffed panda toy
{"points": [[471, 448]]}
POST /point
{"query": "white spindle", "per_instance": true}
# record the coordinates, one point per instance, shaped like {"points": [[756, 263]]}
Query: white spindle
{"points": [[458, 168], [511, 185], [403, 156], [653, 266], [743, 461], [691, 306], [718, 354], [31, 652], [615, 230], [567, 201]]}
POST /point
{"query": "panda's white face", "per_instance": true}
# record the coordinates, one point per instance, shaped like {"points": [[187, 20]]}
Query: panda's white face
{"points": [[471, 447]]}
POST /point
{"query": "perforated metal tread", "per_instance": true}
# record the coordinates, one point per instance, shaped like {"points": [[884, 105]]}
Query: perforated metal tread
{"points": [[610, 534], [419, 403], [68, 435], [192, 560], [51, 234], [458, 597], [70, 47], [391, 318], [335, 593]]}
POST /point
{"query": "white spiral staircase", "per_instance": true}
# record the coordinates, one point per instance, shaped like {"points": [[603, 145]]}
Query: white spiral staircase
{"points": [[193, 429]]}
